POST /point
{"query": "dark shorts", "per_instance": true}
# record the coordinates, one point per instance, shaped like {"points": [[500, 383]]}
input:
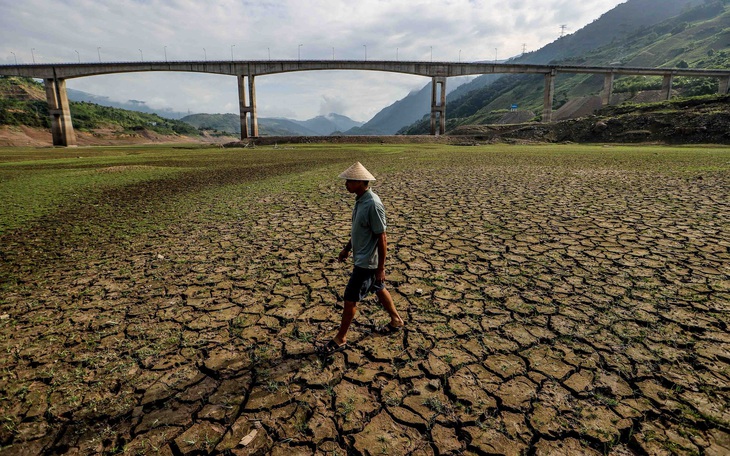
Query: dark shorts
{"points": [[362, 282]]}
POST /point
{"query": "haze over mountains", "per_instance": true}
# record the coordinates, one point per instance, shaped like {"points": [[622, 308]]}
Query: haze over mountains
{"points": [[230, 123], [130, 105], [635, 33], [317, 126]]}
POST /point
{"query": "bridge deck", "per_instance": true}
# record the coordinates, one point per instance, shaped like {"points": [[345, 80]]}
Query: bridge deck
{"points": [[264, 67]]}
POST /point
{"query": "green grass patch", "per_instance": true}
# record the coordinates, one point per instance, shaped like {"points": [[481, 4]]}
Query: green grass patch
{"points": [[169, 183]]}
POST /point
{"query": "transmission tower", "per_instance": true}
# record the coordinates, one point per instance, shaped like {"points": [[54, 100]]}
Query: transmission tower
{"points": [[562, 30], [524, 47]]}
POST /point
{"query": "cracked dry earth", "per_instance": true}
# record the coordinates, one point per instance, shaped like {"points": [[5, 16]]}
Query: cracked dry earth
{"points": [[551, 310]]}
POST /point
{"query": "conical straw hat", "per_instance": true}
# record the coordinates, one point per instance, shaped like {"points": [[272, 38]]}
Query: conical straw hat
{"points": [[357, 172]]}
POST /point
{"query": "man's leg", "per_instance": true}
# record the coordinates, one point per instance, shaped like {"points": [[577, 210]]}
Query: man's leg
{"points": [[348, 313], [387, 302]]}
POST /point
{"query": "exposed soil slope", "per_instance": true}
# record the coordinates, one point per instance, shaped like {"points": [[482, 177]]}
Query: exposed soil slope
{"points": [[702, 120], [16, 136]]}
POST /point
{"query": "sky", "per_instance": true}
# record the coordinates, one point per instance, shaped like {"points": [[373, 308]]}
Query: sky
{"points": [[50, 31]]}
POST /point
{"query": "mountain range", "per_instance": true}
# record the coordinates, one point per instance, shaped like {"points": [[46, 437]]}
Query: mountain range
{"points": [[230, 123], [672, 33], [411, 108], [697, 36], [611, 27], [317, 126]]}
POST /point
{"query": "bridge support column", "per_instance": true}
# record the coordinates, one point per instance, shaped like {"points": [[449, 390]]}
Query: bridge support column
{"points": [[547, 110], [62, 129], [724, 85], [254, 115], [438, 104], [245, 108], [667, 86], [607, 89]]}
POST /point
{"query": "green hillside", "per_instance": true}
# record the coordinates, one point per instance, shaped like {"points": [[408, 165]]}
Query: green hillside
{"points": [[697, 38], [228, 123], [23, 102]]}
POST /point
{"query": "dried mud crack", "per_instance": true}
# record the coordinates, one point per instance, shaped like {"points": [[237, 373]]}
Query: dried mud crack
{"points": [[550, 310]]}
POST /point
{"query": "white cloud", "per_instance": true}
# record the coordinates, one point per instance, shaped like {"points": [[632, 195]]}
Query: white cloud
{"points": [[66, 30], [331, 104]]}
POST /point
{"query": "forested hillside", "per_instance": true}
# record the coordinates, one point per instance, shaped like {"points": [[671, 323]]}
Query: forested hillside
{"points": [[23, 102], [624, 19], [698, 37]]}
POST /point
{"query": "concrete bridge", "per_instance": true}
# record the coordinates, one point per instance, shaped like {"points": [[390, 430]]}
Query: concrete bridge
{"points": [[55, 76]]}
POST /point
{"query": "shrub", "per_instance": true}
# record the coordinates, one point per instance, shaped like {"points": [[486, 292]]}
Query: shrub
{"points": [[635, 84], [694, 87]]}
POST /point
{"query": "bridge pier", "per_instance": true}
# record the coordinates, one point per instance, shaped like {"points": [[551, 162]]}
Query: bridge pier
{"points": [[438, 104], [549, 94], [724, 85], [246, 109], [667, 86], [62, 129], [607, 89]]}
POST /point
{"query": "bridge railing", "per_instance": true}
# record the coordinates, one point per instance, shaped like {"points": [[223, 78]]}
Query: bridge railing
{"points": [[264, 67]]}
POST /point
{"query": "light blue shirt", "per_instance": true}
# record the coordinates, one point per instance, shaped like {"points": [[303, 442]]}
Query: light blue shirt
{"points": [[368, 221]]}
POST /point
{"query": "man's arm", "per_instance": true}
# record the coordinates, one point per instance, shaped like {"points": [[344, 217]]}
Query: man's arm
{"points": [[345, 251], [382, 250]]}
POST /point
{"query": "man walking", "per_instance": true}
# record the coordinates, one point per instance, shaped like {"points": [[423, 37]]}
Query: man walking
{"points": [[369, 246]]}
